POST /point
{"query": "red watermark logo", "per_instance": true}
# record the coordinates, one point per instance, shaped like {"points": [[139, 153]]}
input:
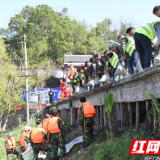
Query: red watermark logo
{"points": [[145, 147]]}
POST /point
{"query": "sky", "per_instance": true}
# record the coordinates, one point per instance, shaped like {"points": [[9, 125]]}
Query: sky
{"points": [[92, 11]]}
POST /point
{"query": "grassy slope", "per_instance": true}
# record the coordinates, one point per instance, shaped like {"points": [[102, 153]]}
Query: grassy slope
{"points": [[116, 148], [16, 134]]}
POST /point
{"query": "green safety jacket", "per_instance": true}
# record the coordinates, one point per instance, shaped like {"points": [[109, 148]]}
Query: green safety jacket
{"points": [[130, 46], [148, 30], [114, 60], [82, 75]]}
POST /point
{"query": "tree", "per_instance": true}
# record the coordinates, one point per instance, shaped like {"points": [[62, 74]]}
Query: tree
{"points": [[122, 24], [11, 86]]}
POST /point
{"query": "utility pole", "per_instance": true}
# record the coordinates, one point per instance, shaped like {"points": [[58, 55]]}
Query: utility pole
{"points": [[26, 78]]}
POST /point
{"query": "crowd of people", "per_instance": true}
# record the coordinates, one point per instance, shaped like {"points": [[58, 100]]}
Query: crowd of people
{"points": [[49, 135], [140, 46]]}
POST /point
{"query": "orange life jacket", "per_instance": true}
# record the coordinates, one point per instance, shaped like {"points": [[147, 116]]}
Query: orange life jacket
{"points": [[37, 135], [11, 143], [22, 139], [72, 72], [53, 125], [88, 110], [45, 124]]}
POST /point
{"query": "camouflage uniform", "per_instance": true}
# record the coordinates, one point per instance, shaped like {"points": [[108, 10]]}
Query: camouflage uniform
{"points": [[57, 140], [119, 51], [23, 149], [100, 67], [10, 153], [37, 146], [127, 58], [86, 75], [88, 136], [92, 70]]}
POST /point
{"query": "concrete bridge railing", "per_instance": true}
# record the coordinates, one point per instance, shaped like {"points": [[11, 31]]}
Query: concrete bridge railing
{"points": [[130, 100]]}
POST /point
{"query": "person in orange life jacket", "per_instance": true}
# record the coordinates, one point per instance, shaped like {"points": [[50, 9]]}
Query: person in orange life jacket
{"points": [[10, 145], [72, 71], [86, 114], [63, 88], [37, 137], [45, 127], [56, 135], [24, 140], [45, 122]]}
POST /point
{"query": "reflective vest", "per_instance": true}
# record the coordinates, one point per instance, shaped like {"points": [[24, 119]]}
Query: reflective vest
{"points": [[88, 109], [37, 135], [72, 72], [74, 81], [45, 123], [154, 41], [22, 139], [114, 60], [130, 46], [53, 125], [82, 75], [148, 30], [11, 143]]}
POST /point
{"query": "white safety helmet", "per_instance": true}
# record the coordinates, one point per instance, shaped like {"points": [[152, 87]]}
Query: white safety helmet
{"points": [[27, 128]]}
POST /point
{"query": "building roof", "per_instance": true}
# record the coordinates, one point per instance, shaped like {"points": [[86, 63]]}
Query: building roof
{"points": [[68, 59]]}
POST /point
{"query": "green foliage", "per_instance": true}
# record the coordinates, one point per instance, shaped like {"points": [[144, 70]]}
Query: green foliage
{"points": [[155, 102], [116, 148], [108, 103], [52, 34], [16, 131], [10, 83]]}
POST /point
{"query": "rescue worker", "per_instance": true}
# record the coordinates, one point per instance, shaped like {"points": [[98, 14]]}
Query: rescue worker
{"points": [[79, 77], [86, 77], [118, 51], [82, 75], [129, 53], [91, 69], [72, 71], [105, 55], [156, 11], [86, 114], [45, 122], [24, 140], [75, 82], [10, 145], [101, 65], [113, 62], [143, 40], [56, 135], [63, 88], [51, 95], [120, 37], [45, 127], [37, 137]]}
